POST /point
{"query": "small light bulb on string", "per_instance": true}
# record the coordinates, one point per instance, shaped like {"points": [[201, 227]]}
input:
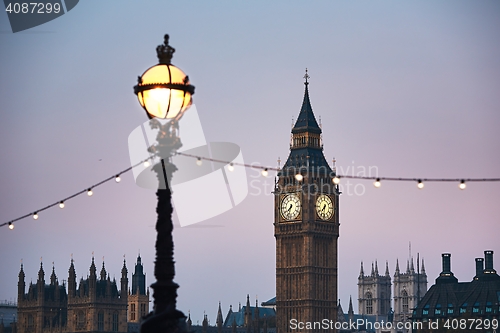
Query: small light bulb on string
{"points": [[462, 185], [35, 216], [146, 164], [230, 167], [61, 204], [117, 178], [89, 192], [377, 183], [11, 226], [336, 180], [265, 172], [420, 185], [199, 162], [299, 177]]}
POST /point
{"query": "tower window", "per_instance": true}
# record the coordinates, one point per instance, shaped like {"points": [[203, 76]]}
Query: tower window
{"points": [[132, 312], [31, 322], [369, 303], [100, 321], [115, 322], [80, 320], [405, 298]]}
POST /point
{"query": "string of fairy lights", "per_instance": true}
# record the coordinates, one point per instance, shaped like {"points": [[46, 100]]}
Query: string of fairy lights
{"points": [[377, 181]]}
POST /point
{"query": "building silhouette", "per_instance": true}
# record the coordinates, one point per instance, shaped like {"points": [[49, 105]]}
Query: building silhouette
{"points": [[306, 227], [374, 291], [451, 301], [409, 288], [96, 305], [138, 298]]}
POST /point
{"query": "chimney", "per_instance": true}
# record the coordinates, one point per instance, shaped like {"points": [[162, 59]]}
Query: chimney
{"points": [[446, 262], [446, 276], [479, 267], [488, 262]]}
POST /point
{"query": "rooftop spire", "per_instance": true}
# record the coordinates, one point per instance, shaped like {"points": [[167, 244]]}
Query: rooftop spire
{"points": [[351, 310], [306, 122]]}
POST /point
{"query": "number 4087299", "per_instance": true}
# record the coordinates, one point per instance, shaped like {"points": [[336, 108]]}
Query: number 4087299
{"points": [[33, 8]]}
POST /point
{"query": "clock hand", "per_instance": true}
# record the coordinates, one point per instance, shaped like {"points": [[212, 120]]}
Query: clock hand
{"points": [[291, 205], [323, 209]]}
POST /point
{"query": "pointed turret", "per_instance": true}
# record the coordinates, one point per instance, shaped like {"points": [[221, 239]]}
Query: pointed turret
{"points": [[396, 272], [93, 270], [306, 144], [248, 314], [92, 281], [139, 278], [373, 270], [422, 271], [41, 273], [350, 312], [103, 271], [124, 281], [40, 285], [407, 266], [387, 268], [53, 277], [71, 280], [412, 267], [376, 268], [361, 271], [256, 316], [306, 121], [219, 320], [21, 285]]}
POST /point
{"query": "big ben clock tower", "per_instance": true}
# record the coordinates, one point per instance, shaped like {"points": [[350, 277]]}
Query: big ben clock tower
{"points": [[306, 227]]}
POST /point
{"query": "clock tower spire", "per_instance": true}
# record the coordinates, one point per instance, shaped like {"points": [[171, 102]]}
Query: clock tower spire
{"points": [[306, 227]]}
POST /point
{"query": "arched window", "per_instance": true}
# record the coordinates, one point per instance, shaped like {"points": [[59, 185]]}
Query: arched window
{"points": [[115, 322], [132, 312], [404, 296], [80, 320], [369, 303], [31, 322], [100, 321]]}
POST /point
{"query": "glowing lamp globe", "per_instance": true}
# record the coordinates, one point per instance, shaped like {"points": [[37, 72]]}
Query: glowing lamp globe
{"points": [[164, 91]]}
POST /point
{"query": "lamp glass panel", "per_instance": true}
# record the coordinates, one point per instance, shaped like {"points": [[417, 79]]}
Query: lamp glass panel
{"points": [[156, 102]]}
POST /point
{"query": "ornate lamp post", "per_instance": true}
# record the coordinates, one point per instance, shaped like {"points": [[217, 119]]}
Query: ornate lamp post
{"points": [[164, 92]]}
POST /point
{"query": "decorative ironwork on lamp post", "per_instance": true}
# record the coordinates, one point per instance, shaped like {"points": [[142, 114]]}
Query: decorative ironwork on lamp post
{"points": [[164, 92]]}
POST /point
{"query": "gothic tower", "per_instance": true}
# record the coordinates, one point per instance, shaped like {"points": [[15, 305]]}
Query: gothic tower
{"points": [[306, 228], [409, 288], [138, 298], [374, 292]]}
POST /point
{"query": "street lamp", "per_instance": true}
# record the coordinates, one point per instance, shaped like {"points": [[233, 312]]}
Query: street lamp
{"points": [[164, 92]]}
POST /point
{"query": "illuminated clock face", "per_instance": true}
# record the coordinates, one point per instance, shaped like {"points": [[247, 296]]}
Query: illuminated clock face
{"points": [[324, 207], [290, 207]]}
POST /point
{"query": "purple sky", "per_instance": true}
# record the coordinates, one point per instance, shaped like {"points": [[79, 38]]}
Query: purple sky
{"points": [[409, 88]]}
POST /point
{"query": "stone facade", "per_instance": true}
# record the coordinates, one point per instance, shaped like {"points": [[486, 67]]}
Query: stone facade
{"points": [[138, 298], [306, 228], [95, 306]]}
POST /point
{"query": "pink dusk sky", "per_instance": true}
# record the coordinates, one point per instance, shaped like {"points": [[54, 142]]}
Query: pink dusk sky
{"points": [[411, 89]]}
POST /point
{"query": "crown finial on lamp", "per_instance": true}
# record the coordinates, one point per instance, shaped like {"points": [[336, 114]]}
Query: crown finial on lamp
{"points": [[165, 52]]}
